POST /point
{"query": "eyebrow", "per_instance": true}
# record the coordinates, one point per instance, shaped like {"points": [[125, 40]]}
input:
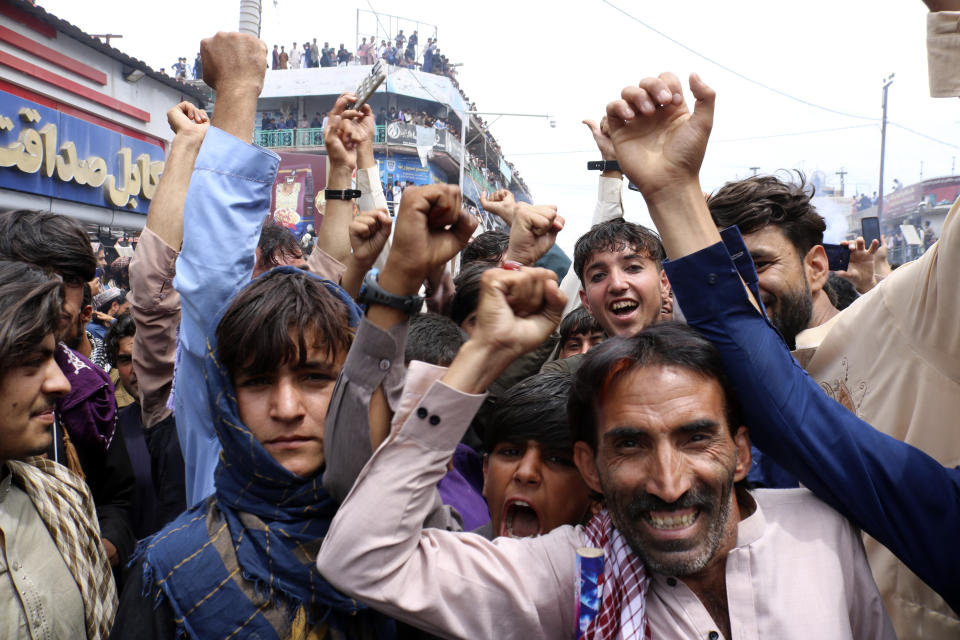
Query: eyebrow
{"points": [[695, 426]]}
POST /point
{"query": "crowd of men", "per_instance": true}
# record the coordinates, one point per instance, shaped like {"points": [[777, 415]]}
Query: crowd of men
{"points": [[307, 452]]}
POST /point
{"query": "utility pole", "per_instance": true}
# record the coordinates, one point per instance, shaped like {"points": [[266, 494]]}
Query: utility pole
{"points": [[883, 146], [921, 169], [842, 173], [755, 170], [250, 14]]}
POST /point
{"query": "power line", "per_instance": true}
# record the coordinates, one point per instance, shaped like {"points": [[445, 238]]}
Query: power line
{"points": [[737, 73], [923, 135]]}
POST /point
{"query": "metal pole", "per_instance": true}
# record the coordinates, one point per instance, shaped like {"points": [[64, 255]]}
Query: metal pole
{"points": [[250, 14], [463, 144], [883, 147]]}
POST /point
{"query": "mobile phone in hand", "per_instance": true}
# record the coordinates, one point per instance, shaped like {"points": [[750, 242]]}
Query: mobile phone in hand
{"points": [[369, 85], [838, 256], [870, 230]]}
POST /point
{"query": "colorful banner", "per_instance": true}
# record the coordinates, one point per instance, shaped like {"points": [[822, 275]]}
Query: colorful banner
{"points": [[402, 168], [297, 201], [49, 153]]}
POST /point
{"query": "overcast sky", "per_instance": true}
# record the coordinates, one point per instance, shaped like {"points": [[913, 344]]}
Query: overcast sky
{"points": [[570, 59]]}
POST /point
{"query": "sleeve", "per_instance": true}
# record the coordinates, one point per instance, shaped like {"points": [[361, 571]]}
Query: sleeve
{"points": [[868, 614], [229, 196], [924, 298], [896, 493], [943, 53], [555, 260], [325, 265], [609, 206], [450, 584], [155, 306], [371, 189], [110, 478], [375, 359]]}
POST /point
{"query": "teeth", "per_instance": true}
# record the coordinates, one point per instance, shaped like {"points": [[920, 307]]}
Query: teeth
{"points": [[672, 522], [625, 304]]}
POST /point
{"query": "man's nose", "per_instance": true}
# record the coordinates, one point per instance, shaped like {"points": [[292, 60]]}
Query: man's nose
{"points": [[54, 382], [669, 474], [285, 402], [528, 469]]}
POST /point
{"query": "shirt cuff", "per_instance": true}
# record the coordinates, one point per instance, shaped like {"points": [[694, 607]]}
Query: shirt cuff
{"points": [[441, 417], [376, 358], [943, 53], [227, 154], [703, 278]]}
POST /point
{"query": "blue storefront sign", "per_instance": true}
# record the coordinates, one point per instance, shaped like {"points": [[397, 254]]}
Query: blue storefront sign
{"points": [[404, 168], [49, 153]]}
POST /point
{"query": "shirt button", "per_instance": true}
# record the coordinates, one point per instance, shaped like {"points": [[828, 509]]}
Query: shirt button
{"points": [[672, 582], [384, 365], [421, 413], [16, 565], [434, 420], [712, 278], [713, 635]]}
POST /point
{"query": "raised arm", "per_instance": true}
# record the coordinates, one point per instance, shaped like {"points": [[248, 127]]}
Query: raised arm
{"points": [[454, 584], [367, 392], [154, 302], [886, 487]]}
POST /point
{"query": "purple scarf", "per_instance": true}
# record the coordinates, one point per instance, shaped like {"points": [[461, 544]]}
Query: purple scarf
{"points": [[89, 411]]}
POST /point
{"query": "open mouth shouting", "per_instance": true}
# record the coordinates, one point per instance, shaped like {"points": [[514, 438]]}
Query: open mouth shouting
{"points": [[623, 307], [520, 519]]}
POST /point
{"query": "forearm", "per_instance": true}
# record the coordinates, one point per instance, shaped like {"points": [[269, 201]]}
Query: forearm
{"points": [[681, 216], [609, 198], [476, 366], [333, 236], [236, 109], [165, 216]]}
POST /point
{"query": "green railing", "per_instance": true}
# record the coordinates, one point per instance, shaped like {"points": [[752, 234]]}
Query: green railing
{"points": [[312, 137]]}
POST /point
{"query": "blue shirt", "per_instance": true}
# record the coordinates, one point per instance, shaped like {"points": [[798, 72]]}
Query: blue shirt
{"points": [[228, 198], [893, 491]]}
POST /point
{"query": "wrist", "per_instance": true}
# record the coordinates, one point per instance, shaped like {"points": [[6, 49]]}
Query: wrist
{"points": [[399, 281], [477, 365], [341, 177]]}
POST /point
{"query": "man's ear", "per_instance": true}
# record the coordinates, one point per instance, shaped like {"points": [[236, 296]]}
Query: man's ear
{"points": [[817, 267], [741, 440], [583, 301], [586, 461], [86, 313]]}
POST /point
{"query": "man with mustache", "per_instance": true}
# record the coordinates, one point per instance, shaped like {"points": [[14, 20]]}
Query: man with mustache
{"points": [[687, 552]]}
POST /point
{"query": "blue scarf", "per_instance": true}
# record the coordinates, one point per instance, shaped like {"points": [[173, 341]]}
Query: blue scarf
{"points": [[242, 563]]}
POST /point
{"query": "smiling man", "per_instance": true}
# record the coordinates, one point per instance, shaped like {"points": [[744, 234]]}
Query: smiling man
{"points": [[55, 579], [686, 548]]}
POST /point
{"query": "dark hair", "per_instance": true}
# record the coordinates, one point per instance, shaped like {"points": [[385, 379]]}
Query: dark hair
{"points": [[87, 296], [489, 246], [757, 202], [577, 322], [49, 241], [30, 304], [123, 327], [434, 339], [467, 291], [276, 242], [103, 308], [254, 333], [533, 409], [841, 291], [615, 235], [669, 344]]}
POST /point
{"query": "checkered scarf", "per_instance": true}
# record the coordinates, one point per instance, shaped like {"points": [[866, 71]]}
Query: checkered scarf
{"points": [[66, 508], [625, 581]]}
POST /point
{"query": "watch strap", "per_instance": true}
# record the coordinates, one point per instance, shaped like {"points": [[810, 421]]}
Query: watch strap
{"points": [[341, 194], [373, 293]]}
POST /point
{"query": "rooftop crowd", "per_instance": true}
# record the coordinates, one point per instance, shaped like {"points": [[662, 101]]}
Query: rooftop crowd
{"points": [[359, 442]]}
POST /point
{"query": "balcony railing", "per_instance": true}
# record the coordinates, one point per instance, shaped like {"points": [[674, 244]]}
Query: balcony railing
{"points": [[308, 137]]}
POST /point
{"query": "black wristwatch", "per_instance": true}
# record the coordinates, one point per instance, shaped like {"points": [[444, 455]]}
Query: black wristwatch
{"points": [[341, 194], [603, 165], [373, 293]]}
